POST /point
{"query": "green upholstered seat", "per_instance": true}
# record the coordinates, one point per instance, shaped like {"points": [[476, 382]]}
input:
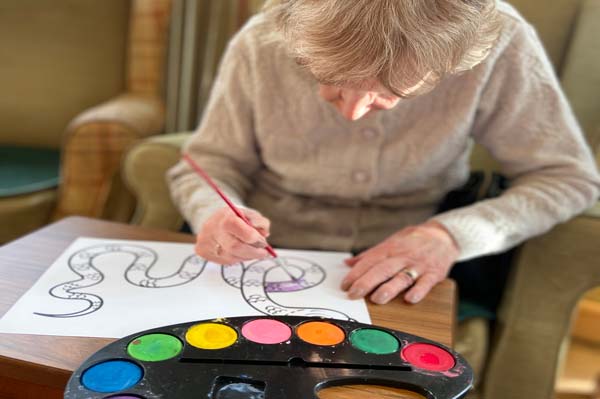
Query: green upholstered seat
{"points": [[26, 170], [58, 58], [28, 182]]}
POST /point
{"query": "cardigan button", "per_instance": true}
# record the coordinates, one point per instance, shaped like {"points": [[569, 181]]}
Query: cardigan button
{"points": [[360, 176], [369, 133]]}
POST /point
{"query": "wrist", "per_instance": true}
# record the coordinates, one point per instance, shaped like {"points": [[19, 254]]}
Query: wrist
{"points": [[440, 231]]}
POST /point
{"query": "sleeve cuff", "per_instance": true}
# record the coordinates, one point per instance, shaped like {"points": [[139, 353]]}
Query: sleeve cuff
{"points": [[475, 236]]}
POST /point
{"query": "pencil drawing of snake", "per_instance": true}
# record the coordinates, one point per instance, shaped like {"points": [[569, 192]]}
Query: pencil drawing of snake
{"points": [[256, 285], [256, 281]]}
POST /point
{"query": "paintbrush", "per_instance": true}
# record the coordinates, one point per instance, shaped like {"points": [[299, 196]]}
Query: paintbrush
{"points": [[235, 210]]}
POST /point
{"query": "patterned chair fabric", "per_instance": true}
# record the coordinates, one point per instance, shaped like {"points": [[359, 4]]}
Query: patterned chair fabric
{"points": [[96, 139]]}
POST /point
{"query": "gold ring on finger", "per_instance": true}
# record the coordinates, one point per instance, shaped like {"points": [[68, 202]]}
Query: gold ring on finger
{"points": [[413, 274]]}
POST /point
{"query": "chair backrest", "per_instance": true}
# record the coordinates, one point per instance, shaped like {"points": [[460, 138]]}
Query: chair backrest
{"points": [[569, 30], [554, 21], [58, 58], [147, 46]]}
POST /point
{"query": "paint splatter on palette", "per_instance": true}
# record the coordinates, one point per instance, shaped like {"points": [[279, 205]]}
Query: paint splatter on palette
{"points": [[267, 358]]}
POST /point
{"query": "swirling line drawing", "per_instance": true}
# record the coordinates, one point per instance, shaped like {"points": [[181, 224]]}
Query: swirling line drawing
{"points": [[256, 280], [137, 273]]}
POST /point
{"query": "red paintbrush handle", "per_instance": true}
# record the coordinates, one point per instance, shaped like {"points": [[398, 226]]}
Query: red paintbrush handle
{"points": [[211, 183], [271, 251]]}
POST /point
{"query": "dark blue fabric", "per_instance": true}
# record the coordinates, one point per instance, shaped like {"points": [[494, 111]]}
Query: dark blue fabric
{"points": [[185, 228], [480, 281], [27, 170]]}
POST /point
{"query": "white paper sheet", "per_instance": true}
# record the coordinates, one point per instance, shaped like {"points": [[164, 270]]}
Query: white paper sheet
{"points": [[113, 288]]}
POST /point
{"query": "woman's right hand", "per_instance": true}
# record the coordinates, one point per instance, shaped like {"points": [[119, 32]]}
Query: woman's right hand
{"points": [[227, 239]]}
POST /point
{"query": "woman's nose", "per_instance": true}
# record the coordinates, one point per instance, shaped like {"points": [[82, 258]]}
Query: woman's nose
{"points": [[353, 105]]}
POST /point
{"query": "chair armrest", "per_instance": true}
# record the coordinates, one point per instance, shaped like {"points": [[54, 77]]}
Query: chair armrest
{"points": [[144, 172], [549, 276], [93, 146], [143, 115], [594, 211]]}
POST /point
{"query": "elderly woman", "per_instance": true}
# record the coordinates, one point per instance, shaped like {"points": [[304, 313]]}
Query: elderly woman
{"points": [[342, 125]]}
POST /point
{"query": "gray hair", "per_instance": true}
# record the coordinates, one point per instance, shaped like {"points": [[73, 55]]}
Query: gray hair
{"points": [[399, 42]]}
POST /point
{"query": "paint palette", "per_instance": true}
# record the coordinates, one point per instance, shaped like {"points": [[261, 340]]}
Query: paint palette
{"points": [[267, 357]]}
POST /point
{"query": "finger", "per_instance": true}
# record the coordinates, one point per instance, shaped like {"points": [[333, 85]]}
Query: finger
{"points": [[206, 248], [422, 286], [243, 232], [234, 264], [353, 260], [361, 267], [199, 250], [208, 251], [374, 276], [232, 246], [389, 290], [261, 223], [227, 260], [380, 248], [263, 232], [224, 258]]}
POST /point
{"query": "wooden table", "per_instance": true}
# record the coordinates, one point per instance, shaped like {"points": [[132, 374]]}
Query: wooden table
{"points": [[37, 366]]}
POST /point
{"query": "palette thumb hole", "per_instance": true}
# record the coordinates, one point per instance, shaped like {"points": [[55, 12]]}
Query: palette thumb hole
{"points": [[267, 357]]}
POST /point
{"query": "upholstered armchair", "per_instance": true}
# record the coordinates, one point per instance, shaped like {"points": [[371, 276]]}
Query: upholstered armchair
{"points": [[81, 82], [549, 274]]}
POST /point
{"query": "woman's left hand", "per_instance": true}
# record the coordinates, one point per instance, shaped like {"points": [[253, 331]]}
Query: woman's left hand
{"points": [[415, 259]]}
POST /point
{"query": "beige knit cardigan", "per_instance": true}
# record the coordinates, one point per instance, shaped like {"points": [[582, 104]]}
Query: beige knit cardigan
{"points": [[327, 183]]}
